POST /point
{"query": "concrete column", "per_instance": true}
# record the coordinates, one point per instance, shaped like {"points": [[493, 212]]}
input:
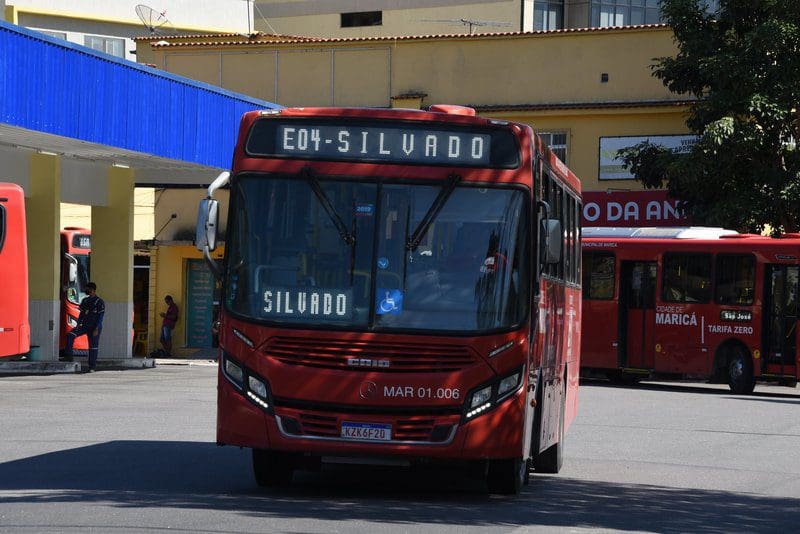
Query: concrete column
{"points": [[112, 263], [42, 211]]}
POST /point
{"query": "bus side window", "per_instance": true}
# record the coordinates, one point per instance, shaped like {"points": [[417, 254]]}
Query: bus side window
{"points": [[735, 279], [686, 278], [598, 275]]}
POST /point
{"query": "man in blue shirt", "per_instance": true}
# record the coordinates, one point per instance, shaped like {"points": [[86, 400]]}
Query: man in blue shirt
{"points": [[90, 322]]}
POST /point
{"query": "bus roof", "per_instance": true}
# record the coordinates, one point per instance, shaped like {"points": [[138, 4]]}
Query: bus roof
{"points": [[652, 232]]}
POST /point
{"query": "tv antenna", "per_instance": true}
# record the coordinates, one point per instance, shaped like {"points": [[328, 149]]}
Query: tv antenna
{"points": [[152, 19], [469, 23]]}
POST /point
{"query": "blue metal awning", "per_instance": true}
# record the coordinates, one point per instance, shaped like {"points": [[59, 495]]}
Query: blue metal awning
{"points": [[50, 87]]}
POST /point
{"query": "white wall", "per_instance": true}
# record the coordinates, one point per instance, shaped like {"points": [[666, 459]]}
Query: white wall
{"points": [[214, 15], [118, 19]]}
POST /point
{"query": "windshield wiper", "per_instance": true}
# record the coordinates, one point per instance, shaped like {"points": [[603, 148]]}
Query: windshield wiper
{"points": [[422, 228], [315, 186]]}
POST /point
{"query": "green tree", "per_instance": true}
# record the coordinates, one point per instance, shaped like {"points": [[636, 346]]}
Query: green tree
{"points": [[742, 64]]}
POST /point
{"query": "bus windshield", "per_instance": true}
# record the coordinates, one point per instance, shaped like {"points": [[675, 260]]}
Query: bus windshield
{"points": [[291, 260], [76, 290]]}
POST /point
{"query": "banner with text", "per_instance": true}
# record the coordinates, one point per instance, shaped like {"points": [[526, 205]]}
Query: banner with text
{"points": [[612, 167], [631, 208]]}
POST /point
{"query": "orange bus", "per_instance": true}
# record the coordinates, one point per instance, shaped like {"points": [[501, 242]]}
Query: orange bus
{"points": [[76, 247], [704, 303], [399, 287], [15, 331]]}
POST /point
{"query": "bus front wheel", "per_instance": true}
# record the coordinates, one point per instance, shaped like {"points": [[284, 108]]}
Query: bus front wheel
{"points": [[272, 468], [506, 477], [740, 372]]}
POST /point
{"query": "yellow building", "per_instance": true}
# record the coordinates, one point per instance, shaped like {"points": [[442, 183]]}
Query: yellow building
{"points": [[579, 87], [376, 18], [588, 92]]}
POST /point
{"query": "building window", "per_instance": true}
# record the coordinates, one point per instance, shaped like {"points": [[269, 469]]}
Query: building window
{"points": [[362, 18], [548, 15], [625, 12], [109, 45], [57, 35], [557, 141]]}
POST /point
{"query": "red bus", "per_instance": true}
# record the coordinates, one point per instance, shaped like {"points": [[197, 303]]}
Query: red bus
{"points": [[399, 287], [76, 247], [15, 333], [702, 303]]}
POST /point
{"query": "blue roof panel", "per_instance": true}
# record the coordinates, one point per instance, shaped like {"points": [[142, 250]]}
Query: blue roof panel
{"points": [[56, 87]]}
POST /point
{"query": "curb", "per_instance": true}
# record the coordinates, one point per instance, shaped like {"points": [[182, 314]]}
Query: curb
{"points": [[38, 368], [176, 361]]}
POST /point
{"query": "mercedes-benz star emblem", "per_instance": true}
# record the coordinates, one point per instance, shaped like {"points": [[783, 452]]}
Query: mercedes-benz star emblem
{"points": [[368, 389]]}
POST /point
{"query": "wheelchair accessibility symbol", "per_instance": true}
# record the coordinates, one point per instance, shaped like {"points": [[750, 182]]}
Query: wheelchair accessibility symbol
{"points": [[390, 301]]}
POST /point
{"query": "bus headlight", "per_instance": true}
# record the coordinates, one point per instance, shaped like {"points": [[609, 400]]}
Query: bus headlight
{"points": [[249, 384], [482, 396], [487, 397], [479, 402], [507, 384], [234, 373], [257, 392]]}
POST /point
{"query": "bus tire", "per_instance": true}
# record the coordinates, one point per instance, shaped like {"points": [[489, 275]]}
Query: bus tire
{"points": [[507, 476], [740, 372], [618, 378], [272, 468]]}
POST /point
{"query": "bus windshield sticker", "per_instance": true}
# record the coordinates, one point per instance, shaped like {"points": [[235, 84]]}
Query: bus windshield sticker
{"points": [[390, 302], [364, 210], [305, 302]]}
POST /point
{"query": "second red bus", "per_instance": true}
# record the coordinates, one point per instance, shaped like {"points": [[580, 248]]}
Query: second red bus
{"points": [[690, 302], [76, 248]]}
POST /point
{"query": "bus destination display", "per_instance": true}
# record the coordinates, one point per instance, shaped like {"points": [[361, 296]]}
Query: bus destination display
{"points": [[402, 143], [390, 144]]}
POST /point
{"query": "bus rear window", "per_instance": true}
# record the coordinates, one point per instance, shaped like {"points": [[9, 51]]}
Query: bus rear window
{"points": [[598, 275]]}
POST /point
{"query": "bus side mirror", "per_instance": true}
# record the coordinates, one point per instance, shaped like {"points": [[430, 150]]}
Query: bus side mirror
{"points": [[73, 272], [550, 236], [206, 231]]}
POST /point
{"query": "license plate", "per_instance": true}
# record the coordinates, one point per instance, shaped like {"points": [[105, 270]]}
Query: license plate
{"points": [[367, 431]]}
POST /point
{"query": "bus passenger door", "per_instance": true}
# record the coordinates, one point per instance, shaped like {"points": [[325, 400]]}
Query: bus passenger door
{"points": [[780, 317], [637, 314]]}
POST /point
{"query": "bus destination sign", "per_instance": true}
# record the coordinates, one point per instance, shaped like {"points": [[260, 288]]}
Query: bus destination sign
{"points": [[82, 241], [308, 303], [395, 142], [389, 143]]}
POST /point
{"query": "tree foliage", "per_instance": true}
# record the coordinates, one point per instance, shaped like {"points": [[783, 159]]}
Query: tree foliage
{"points": [[742, 64]]}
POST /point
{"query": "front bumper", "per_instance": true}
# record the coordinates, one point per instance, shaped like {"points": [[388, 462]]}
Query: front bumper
{"points": [[416, 431]]}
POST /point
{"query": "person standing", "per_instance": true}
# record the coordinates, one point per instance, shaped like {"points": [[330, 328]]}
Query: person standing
{"points": [[168, 324], [90, 323]]}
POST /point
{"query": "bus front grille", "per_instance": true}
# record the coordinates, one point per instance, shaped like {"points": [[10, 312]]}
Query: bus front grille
{"points": [[308, 424], [371, 356]]}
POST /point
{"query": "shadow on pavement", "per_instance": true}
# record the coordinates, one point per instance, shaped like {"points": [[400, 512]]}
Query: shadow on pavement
{"points": [[690, 387], [203, 476]]}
